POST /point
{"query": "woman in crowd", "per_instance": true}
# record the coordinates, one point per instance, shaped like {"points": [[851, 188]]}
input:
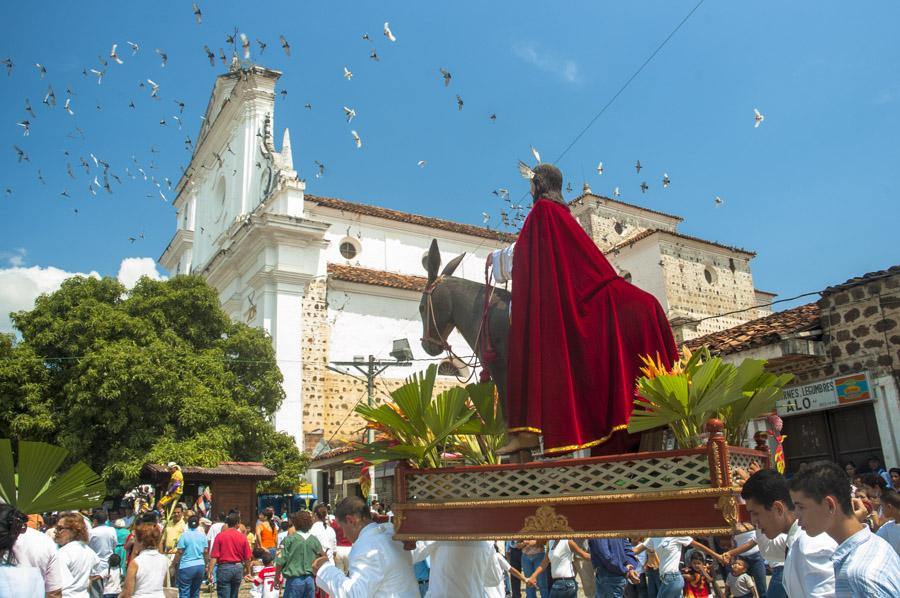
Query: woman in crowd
{"points": [[76, 555], [147, 570], [560, 560], [190, 559], [122, 533], [266, 532], [16, 581]]}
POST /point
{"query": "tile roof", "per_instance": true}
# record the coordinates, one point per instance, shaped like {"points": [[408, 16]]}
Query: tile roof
{"points": [[630, 205], [653, 231], [406, 282], [858, 280], [225, 469], [427, 221], [332, 453], [761, 331]]}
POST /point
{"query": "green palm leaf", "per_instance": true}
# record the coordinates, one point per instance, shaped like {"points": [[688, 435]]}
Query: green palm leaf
{"points": [[36, 487]]}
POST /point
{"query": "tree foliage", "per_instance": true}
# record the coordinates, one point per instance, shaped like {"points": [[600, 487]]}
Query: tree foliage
{"points": [[156, 374]]}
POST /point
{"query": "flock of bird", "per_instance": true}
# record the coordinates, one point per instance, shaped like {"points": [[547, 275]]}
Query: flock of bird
{"points": [[100, 174]]}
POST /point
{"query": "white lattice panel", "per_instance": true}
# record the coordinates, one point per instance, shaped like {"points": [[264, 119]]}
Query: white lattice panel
{"points": [[644, 475], [743, 461]]}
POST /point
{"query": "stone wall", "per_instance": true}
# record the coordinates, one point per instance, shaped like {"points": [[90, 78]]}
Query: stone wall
{"points": [[691, 295], [860, 330], [315, 355]]}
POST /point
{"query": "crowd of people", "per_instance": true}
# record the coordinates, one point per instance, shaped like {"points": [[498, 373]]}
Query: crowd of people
{"points": [[823, 532]]}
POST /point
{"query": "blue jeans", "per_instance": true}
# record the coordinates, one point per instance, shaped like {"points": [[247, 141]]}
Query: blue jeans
{"points": [[670, 585], [756, 567], [189, 580], [530, 563], [776, 584], [228, 579], [652, 582], [609, 585], [299, 587], [564, 588]]}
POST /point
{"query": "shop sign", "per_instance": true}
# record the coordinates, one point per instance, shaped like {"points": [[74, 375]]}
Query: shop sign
{"points": [[824, 394]]}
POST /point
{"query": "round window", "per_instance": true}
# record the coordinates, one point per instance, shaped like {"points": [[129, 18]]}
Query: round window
{"points": [[710, 275], [348, 250]]}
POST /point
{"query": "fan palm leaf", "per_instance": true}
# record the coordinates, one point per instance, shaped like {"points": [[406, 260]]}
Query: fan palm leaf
{"points": [[36, 487]]}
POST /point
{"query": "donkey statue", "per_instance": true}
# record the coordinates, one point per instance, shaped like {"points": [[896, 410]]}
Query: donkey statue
{"points": [[449, 302]]}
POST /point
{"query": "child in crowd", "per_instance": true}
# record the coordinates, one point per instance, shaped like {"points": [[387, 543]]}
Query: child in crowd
{"points": [[257, 565], [112, 583], [282, 533], [740, 583], [698, 582], [265, 581]]}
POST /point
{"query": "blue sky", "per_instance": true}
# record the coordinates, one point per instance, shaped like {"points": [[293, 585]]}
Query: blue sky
{"points": [[813, 190]]}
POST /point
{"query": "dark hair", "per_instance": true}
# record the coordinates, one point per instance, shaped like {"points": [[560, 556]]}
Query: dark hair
{"points": [[98, 517], [697, 556], [850, 463], [258, 552], [894, 470], [114, 560], [221, 516], [824, 478], [148, 517], [874, 480], [765, 487], [193, 521], [270, 515], [147, 534], [266, 557], [321, 512], [285, 525], [873, 458], [352, 505], [302, 521], [740, 559], [891, 498], [13, 523], [233, 519]]}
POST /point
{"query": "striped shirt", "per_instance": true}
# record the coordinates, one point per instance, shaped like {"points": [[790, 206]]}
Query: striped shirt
{"points": [[890, 531], [865, 566]]}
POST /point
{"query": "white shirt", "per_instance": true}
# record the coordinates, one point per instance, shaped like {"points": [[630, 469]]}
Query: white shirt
{"points": [[214, 531], [103, 541], [773, 550], [500, 566], [112, 583], [561, 558], [34, 549], [378, 567], [21, 581], [669, 552], [151, 574], [326, 537], [79, 560], [744, 537], [808, 571], [457, 568], [890, 532]]}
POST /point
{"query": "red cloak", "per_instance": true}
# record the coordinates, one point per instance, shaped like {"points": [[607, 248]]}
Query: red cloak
{"points": [[576, 333]]}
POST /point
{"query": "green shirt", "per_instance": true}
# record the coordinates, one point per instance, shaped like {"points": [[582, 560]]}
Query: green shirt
{"points": [[298, 554]]}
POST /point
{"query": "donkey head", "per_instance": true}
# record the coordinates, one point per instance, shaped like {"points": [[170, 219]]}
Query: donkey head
{"points": [[436, 306]]}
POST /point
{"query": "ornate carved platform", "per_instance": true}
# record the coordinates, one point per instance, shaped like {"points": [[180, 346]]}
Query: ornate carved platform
{"points": [[682, 492]]}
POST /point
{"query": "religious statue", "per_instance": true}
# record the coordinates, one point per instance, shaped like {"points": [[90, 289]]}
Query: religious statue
{"points": [[174, 489], [576, 332]]}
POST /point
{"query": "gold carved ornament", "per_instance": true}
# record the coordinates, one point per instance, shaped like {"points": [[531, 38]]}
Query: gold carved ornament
{"points": [[727, 503], [545, 519]]}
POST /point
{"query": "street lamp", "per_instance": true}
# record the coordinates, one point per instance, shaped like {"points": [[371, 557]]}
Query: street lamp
{"points": [[401, 351]]}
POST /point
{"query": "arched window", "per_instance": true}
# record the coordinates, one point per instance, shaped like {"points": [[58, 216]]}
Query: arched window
{"points": [[710, 275]]}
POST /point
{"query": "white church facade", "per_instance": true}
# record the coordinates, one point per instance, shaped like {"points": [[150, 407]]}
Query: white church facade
{"points": [[332, 280]]}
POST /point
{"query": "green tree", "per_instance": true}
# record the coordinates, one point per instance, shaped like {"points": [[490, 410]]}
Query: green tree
{"points": [[155, 374]]}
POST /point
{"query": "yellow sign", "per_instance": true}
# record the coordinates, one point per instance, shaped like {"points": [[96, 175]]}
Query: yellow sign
{"points": [[305, 488]]}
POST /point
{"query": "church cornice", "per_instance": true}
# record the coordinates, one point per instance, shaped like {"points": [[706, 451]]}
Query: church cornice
{"points": [[181, 242]]}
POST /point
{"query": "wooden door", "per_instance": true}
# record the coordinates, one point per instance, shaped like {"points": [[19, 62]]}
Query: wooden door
{"points": [[839, 435]]}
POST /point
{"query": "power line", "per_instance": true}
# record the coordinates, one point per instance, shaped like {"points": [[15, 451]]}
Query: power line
{"points": [[630, 79]]}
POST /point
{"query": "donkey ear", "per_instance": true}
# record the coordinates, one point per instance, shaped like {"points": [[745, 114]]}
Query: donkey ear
{"points": [[434, 260], [449, 268]]}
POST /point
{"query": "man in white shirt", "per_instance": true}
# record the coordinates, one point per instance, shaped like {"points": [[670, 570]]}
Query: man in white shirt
{"points": [[34, 549], [808, 572], [215, 529], [379, 567], [457, 568], [889, 530], [103, 541], [773, 551], [864, 564]]}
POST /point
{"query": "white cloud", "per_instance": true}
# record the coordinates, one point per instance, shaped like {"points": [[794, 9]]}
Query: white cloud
{"points": [[19, 286], [15, 258], [564, 68], [132, 268]]}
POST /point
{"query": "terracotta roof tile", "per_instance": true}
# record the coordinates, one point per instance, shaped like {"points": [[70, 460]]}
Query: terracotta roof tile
{"points": [[761, 331], [858, 280], [427, 221], [381, 278], [224, 469], [630, 205], [329, 454], [651, 231]]}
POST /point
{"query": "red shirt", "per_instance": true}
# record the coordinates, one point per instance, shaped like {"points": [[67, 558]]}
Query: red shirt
{"points": [[339, 535], [230, 546]]}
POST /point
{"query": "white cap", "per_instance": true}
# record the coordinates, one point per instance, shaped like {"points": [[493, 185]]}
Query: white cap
{"points": [[172, 464]]}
